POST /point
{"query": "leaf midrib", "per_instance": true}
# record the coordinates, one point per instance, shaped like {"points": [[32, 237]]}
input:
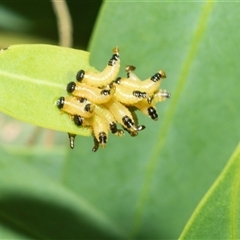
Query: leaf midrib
{"points": [[25, 78]]}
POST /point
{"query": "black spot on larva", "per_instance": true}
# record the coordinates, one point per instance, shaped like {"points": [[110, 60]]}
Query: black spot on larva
{"points": [[80, 75], [71, 87], [139, 94], [87, 107], [113, 127], [105, 92], [152, 113], [77, 120], [60, 102], [102, 138], [156, 77], [118, 80], [127, 121], [82, 99], [113, 60]]}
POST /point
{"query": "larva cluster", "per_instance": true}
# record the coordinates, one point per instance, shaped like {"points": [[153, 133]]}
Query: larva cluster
{"points": [[102, 100]]}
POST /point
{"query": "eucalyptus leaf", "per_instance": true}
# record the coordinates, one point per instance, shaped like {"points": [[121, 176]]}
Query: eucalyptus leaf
{"points": [[33, 77]]}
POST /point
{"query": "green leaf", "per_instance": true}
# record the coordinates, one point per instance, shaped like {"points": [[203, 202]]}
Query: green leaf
{"points": [[217, 215], [33, 77], [34, 206]]}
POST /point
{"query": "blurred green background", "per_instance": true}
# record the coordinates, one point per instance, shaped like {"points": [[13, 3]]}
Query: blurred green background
{"points": [[145, 187]]}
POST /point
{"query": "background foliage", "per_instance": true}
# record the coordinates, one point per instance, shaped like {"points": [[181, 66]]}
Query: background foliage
{"points": [[144, 187]]}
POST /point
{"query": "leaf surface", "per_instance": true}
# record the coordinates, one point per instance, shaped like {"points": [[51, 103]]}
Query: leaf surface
{"points": [[218, 214], [33, 77]]}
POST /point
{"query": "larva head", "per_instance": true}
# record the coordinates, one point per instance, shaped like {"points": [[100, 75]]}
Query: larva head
{"points": [[89, 107], [153, 113], [60, 102], [78, 120], [162, 74], [116, 50], [71, 87], [102, 138], [80, 75], [129, 68]]}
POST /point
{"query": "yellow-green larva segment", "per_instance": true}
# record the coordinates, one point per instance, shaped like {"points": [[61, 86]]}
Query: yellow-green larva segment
{"points": [[122, 115], [149, 85], [129, 96], [105, 77], [99, 129], [93, 94], [36, 75], [73, 106], [108, 117], [150, 109]]}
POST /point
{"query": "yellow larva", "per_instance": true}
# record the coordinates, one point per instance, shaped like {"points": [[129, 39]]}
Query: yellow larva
{"points": [[150, 109], [129, 96], [123, 116], [106, 76], [99, 101], [93, 94], [149, 85], [106, 115], [99, 129], [73, 106]]}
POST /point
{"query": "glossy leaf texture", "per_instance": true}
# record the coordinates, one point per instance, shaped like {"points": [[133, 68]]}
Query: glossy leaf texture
{"points": [[146, 187], [33, 77], [218, 213]]}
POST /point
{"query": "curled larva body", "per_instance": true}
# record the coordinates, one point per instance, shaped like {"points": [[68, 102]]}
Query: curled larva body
{"points": [[93, 94], [150, 109], [147, 109], [129, 96], [99, 130], [149, 85], [98, 126], [122, 115], [73, 106], [105, 77], [105, 114]]}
